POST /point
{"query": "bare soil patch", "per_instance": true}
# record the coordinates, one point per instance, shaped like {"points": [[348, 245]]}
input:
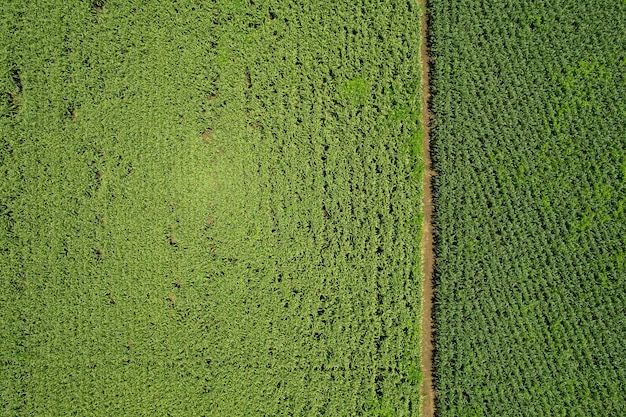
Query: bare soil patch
{"points": [[207, 136]]}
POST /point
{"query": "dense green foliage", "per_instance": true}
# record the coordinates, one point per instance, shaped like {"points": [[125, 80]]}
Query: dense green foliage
{"points": [[530, 149], [209, 208]]}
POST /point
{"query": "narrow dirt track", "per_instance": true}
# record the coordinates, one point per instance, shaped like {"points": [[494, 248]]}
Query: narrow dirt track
{"points": [[428, 256]]}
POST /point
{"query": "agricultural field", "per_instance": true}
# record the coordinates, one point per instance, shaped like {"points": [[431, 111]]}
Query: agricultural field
{"points": [[212, 208], [216, 208], [529, 146]]}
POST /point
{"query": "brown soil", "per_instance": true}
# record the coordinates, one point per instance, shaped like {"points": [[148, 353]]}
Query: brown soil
{"points": [[428, 256], [171, 297], [248, 80], [207, 136], [210, 221]]}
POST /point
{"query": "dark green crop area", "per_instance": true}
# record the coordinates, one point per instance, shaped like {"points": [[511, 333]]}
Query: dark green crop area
{"points": [[529, 144], [210, 208]]}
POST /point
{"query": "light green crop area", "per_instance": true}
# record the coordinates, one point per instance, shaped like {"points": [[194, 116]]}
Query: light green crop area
{"points": [[209, 208]]}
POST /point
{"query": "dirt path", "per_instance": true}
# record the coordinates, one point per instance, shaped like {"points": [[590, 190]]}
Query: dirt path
{"points": [[428, 256]]}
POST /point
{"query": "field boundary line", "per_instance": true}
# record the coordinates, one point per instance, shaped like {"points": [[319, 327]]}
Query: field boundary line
{"points": [[428, 255]]}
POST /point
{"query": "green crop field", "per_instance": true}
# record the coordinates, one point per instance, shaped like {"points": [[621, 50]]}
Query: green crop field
{"points": [[210, 208], [214, 208], [529, 144]]}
